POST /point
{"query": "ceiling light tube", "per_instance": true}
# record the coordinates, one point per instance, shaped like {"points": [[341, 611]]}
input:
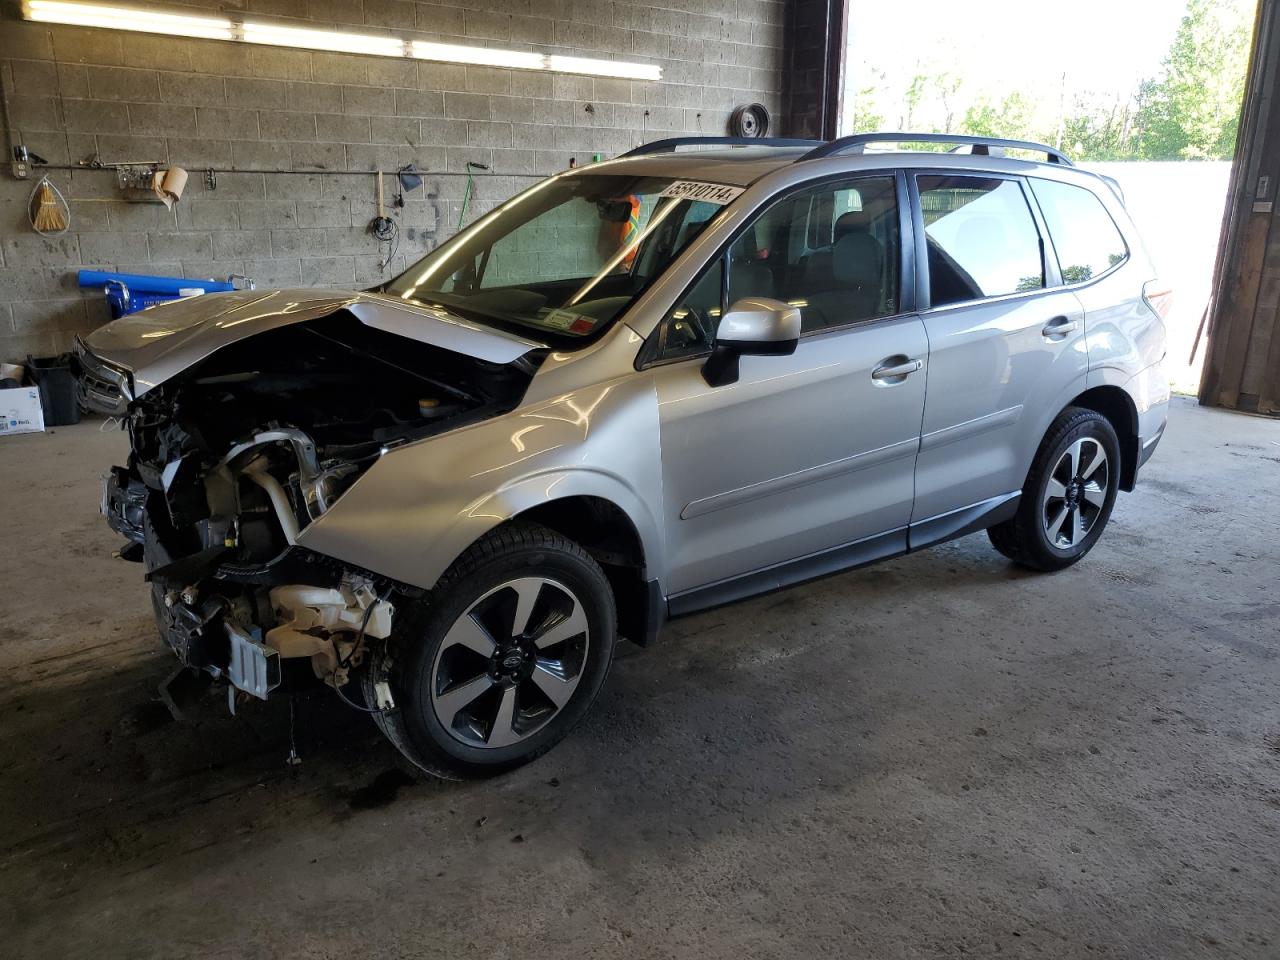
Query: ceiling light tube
{"points": [[334, 40], [604, 68], [127, 18], [482, 56]]}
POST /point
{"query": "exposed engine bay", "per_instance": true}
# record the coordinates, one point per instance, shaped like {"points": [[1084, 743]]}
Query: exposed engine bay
{"points": [[235, 456]]}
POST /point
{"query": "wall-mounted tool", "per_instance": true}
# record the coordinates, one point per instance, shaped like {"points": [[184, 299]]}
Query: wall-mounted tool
{"points": [[48, 210], [471, 187], [384, 229]]}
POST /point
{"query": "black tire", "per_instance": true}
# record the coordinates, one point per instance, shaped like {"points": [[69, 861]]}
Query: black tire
{"points": [[1025, 538], [517, 550]]}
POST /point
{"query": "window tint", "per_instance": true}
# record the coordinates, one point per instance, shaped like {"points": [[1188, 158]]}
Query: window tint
{"points": [[832, 251], [981, 238], [1084, 235], [689, 328]]}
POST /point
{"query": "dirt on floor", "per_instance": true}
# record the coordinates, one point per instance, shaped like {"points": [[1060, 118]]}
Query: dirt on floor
{"points": [[939, 756]]}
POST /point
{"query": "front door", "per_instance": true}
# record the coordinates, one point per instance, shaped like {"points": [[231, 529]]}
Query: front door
{"points": [[806, 455]]}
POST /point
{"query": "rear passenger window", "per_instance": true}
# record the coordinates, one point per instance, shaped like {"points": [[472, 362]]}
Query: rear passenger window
{"points": [[982, 240], [1084, 235]]}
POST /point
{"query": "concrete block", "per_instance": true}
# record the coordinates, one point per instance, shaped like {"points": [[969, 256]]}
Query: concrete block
{"points": [[466, 106], [256, 93], [286, 125], [242, 245], [487, 26], [337, 11], [315, 97], [295, 186], [280, 63], [261, 155], [29, 41], [537, 30], [33, 78], [84, 45], [342, 128], [72, 80], [212, 269], [227, 123], [489, 134], [219, 58], [438, 19], [113, 248], [407, 130], [166, 246], [323, 213], [163, 120], [266, 214], [123, 83], [339, 68], [318, 156], [274, 273], [288, 244], [214, 214], [160, 53], [441, 76], [397, 14], [279, 8], [419, 103], [390, 72], [197, 90], [336, 272], [125, 148], [368, 101], [35, 114], [196, 153]]}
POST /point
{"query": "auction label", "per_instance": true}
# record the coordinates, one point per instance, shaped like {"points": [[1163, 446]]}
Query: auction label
{"points": [[707, 192]]}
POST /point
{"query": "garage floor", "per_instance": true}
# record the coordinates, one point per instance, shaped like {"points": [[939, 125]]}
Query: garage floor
{"points": [[937, 756]]}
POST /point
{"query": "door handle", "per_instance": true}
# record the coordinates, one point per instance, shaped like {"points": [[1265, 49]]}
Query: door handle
{"points": [[1058, 328], [895, 369]]}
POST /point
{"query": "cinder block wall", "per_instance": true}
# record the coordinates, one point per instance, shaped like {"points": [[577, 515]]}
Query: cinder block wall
{"points": [[319, 124]]}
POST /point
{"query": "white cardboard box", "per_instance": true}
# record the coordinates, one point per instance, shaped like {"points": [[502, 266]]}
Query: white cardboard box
{"points": [[20, 411]]}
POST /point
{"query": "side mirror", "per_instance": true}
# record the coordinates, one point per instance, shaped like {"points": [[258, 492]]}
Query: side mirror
{"points": [[754, 326]]}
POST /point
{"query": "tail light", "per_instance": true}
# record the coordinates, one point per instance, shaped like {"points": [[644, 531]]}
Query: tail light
{"points": [[1159, 297]]}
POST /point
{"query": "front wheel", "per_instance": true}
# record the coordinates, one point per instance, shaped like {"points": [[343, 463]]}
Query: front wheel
{"points": [[1068, 496], [508, 654]]}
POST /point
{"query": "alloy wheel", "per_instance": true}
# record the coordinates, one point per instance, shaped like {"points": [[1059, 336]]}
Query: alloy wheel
{"points": [[1076, 493], [510, 662]]}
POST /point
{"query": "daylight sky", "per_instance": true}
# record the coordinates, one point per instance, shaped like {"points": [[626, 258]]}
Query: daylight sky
{"points": [[1103, 46]]}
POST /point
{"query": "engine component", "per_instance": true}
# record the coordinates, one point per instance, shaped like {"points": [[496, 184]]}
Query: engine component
{"points": [[328, 624]]}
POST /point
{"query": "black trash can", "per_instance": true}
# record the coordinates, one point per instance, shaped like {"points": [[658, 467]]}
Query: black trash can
{"points": [[57, 388]]}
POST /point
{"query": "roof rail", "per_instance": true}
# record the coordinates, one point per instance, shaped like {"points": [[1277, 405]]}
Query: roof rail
{"points": [[981, 146], [669, 145]]}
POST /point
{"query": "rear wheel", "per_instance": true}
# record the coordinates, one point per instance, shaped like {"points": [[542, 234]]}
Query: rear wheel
{"points": [[508, 654], [1068, 496]]}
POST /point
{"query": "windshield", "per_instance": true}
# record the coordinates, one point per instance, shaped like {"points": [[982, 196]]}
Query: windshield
{"points": [[568, 256]]}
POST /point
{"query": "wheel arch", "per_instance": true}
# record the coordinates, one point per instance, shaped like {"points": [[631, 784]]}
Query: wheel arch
{"points": [[1118, 407]]}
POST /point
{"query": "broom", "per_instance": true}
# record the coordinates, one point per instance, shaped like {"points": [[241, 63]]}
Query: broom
{"points": [[50, 215]]}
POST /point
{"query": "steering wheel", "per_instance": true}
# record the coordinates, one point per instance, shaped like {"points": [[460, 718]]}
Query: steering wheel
{"points": [[699, 330]]}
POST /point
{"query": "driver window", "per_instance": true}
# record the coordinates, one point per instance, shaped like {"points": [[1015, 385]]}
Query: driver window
{"points": [[689, 328], [832, 251]]}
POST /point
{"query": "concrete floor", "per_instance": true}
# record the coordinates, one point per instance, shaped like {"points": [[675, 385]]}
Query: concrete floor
{"points": [[934, 757]]}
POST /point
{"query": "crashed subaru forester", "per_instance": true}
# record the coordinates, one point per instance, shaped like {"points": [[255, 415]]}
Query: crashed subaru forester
{"points": [[633, 391]]}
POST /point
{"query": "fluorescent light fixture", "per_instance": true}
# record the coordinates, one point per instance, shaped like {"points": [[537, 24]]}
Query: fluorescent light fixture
{"points": [[306, 38], [483, 56], [604, 68], [309, 39], [129, 18]]}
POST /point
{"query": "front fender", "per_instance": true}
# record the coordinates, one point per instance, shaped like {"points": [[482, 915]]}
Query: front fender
{"points": [[414, 511]]}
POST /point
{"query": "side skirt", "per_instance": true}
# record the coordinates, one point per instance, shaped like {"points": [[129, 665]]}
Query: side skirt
{"points": [[859, 553]]}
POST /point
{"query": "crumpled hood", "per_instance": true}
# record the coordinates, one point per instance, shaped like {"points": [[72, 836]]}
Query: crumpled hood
{"points": [[161, 342]]}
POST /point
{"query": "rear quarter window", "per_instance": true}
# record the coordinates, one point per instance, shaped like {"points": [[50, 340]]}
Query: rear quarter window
{"points": [[1087, 240]]}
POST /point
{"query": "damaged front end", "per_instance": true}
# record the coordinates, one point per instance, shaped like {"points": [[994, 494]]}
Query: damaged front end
{"points": [[234, 456]]}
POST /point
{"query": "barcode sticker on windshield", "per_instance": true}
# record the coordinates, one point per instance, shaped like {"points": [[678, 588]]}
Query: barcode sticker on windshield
{"points": [[706, 192]]}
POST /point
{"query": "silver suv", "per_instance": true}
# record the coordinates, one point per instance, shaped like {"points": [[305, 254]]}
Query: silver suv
{"points": [[633, 391]]}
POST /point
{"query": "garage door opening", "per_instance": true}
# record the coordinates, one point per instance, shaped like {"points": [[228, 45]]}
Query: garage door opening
{"points": [[1149, 94]]}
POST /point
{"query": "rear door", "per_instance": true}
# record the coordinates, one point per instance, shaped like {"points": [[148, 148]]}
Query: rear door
{"points": [[1006, 349]]}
